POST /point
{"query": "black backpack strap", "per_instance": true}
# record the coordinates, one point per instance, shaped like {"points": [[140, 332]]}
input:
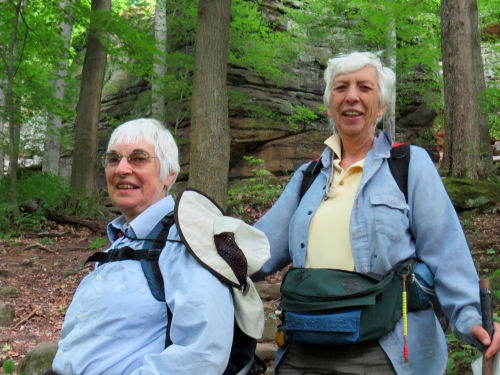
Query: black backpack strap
{"points": [[125, 253], [168, 340], [310, 173], [399, 163], [148, 256]]}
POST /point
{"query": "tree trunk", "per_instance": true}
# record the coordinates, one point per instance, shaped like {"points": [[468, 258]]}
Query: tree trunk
{"points": [[2, 124], [14, 128], [464, 154], [210, 139], [158, 86], [486, 152], [52, 146], [390, 114], [83, 171]]}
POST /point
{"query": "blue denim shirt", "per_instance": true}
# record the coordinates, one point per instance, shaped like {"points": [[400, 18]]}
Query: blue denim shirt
{"points": [[381, 224], [114, 325]]}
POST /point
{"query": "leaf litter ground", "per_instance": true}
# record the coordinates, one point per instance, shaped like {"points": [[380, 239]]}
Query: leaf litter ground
{"points": [[40, 272]]}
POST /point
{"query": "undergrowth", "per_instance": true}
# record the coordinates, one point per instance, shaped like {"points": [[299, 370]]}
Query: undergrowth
{"points": [[38, 193]]}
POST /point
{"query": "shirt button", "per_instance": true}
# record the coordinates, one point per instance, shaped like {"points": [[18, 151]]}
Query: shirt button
{"points": [[98, 278], [302, 245], [324, 187], [60, 353], [80, 315], [309, 212]]}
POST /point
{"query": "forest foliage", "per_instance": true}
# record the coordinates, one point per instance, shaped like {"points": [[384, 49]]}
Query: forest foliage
{"points": [[266, 37], [406, 33]]}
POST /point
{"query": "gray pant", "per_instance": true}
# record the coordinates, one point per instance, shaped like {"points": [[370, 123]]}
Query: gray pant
{"points": [[363, 358]]}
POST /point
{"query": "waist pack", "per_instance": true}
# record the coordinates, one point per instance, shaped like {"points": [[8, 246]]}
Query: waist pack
{"points": [[336, 307]]}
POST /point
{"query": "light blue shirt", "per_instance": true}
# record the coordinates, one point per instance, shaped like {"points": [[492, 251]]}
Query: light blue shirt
{"points": [[380, 234], [114, 325]]}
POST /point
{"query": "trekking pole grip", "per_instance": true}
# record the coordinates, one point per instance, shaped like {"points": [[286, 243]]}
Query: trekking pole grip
{"points": [[487, 317]]}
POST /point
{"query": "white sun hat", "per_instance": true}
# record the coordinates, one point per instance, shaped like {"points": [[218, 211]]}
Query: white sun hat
{"points": [[229, 248]]}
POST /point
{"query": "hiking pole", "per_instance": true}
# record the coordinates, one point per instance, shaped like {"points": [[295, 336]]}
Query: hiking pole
{"points": [[487, 316]]}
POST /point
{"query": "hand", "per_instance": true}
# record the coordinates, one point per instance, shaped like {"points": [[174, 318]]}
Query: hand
{"points": [[480, 334]]}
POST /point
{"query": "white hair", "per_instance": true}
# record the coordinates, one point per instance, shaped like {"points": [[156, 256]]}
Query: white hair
{"points": [[386, 78], [151, 131]]}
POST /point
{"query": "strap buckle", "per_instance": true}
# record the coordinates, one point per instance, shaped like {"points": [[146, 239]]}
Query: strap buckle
{"points": [[119, 254], [153, 254]]}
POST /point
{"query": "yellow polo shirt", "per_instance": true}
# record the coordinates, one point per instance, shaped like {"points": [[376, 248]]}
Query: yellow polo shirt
{"points": [[329, 243]]}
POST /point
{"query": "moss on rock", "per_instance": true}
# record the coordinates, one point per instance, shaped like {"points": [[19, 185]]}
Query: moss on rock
{"points": [[469, 194]]}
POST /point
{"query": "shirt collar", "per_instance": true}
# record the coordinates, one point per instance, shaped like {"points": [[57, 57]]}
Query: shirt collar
{"points": [[335, 145], [142, 225]]}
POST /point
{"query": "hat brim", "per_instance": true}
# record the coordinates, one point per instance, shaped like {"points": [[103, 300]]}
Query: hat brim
{"points": [[198, 218], [194, 217], [249, 311]]}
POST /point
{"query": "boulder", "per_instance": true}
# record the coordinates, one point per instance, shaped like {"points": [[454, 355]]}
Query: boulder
{"points": [[270, 325], [39, 359], [469, 194], [284, 155]]}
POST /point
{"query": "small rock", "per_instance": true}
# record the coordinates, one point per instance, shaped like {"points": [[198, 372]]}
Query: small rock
{"points": [[268, 291], [27, 262], [6, 274], [69, 271], [8, 291], [266, 350], [496, 148], [6, 314]]}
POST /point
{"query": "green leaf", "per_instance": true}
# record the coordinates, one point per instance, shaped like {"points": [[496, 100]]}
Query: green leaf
{"points": [[98, 243]]}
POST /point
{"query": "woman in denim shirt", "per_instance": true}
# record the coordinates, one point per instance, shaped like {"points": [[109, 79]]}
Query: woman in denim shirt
{"points": [[354, 217], [115, 325]]}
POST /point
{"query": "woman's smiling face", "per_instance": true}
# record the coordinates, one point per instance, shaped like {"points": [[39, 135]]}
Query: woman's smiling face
{"points": [[134, 188], [355, 102]]}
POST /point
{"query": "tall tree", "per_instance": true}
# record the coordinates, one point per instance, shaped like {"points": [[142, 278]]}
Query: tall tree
{"points": [[2, 106], [210, 139], [14, 127], [3, 116], [160, 68], [52, 146], [83, 170], [466, 150]]}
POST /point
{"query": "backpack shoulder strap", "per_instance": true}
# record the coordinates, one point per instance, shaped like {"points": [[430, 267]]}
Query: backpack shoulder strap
{"points": [[310, 173], [150, 267], [398, 164], [148, 256]]}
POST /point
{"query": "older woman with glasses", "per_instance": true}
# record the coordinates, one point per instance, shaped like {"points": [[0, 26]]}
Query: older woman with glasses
{"points": [[354, 217], [114, 324]]}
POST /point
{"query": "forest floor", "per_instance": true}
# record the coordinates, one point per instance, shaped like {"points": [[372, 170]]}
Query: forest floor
{"points": [[39, 273]]}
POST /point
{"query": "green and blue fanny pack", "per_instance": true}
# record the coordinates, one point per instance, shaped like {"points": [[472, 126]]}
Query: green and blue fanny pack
{"points": [[336, 307]]}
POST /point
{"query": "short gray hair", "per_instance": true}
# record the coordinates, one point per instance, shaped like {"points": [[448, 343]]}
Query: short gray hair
{"points": [[355, 61], [151, 131]]}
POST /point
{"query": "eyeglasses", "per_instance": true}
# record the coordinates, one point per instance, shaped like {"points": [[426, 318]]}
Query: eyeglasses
{"points": [[136, 159]]}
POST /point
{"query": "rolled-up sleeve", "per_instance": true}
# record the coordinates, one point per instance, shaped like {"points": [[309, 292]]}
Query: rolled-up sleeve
{"points": [[201, 330]]}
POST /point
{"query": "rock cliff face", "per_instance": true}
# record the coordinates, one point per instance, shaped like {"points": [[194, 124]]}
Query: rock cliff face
{"points": [[283, 147]]}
